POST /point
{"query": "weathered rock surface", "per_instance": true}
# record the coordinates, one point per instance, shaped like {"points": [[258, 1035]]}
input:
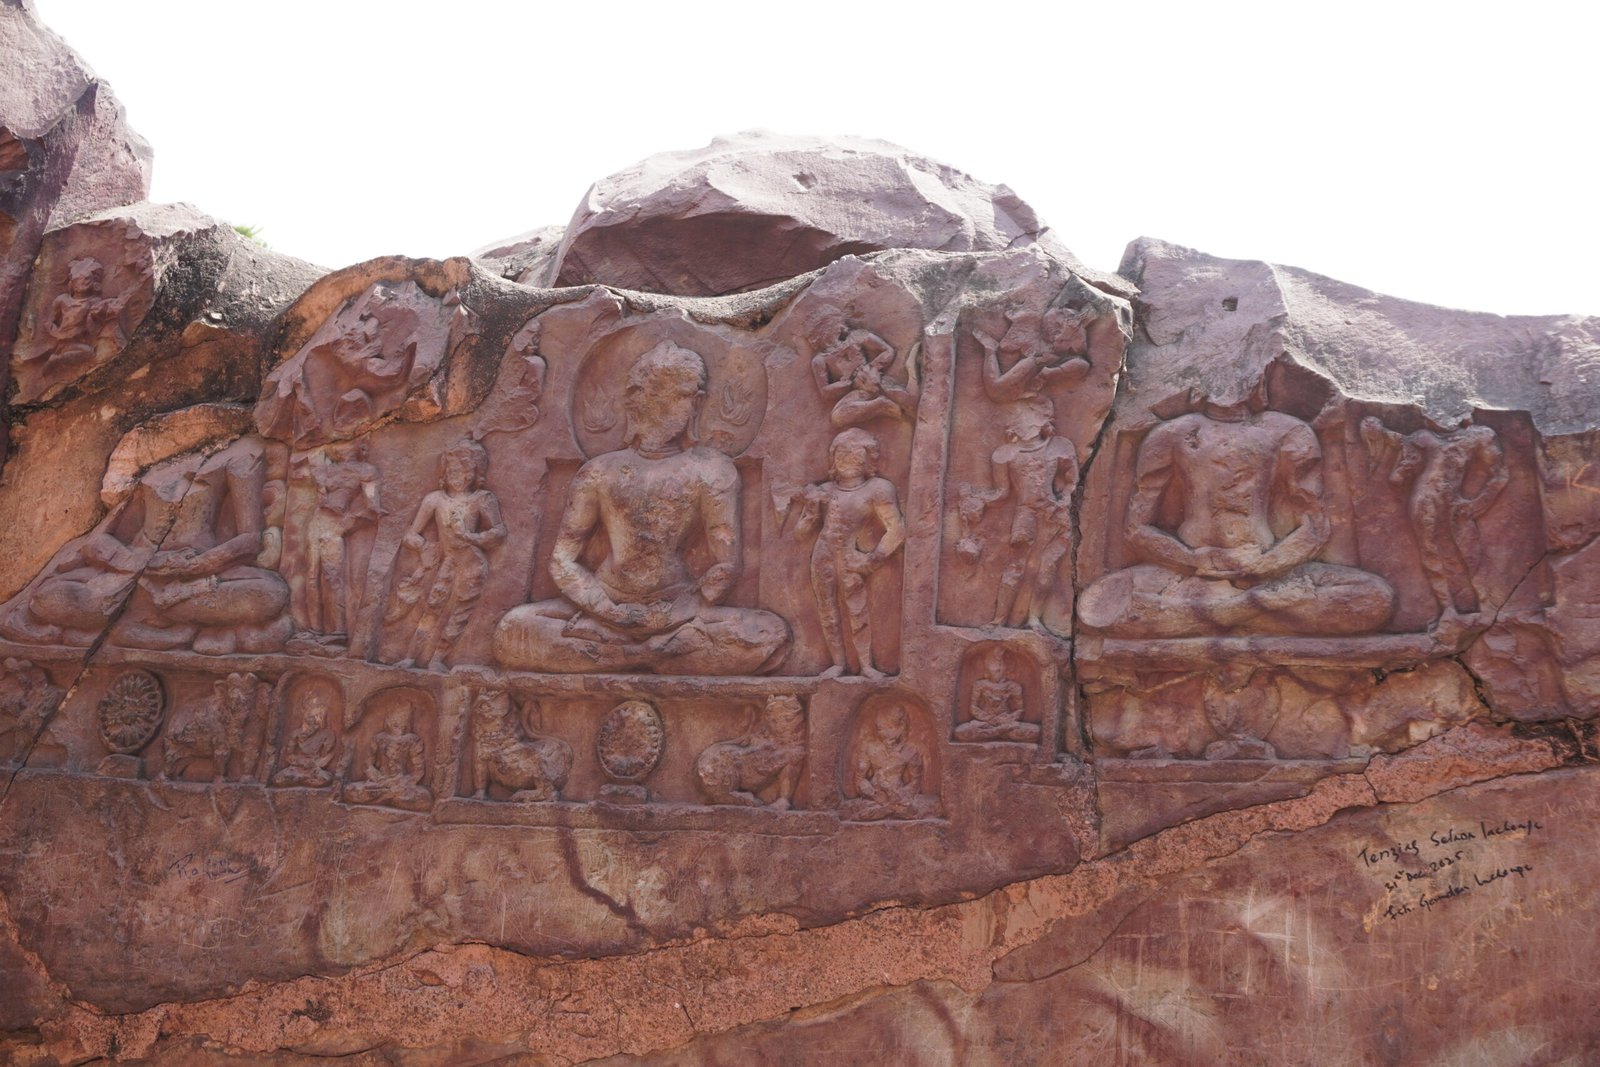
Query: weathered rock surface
{"points": [[888, 641], [65, 152], [753, 209], [52, 102]]}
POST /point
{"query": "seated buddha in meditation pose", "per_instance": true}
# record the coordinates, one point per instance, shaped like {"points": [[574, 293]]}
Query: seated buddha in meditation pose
{"points": [[183, 557], [1227, 518], [642, 607]]}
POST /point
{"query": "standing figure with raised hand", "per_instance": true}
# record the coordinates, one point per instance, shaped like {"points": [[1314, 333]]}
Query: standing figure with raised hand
{"points": [[847, 510], [455, 526], [1037, 472]]}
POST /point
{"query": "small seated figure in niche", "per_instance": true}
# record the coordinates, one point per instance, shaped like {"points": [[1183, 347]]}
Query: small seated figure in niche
{"points": [[84, 326], [852, 374], [996, 705], [395, 767], [453, 528], [1046, 349], [1038, 473], [310, 748], [643, 606], [856, 508], [1227, 517], [768, 757], [1455, 476], [534, 769], [885, 776]]}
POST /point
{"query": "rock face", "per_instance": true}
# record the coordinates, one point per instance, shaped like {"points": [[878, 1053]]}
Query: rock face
{"points": [[939, 652], [748, 211], [65, 151]]}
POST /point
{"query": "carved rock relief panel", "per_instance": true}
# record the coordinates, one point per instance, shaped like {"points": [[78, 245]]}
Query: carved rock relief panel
{"points": [[858, 556], [91, 288], [1037, 369], [415, 629]]}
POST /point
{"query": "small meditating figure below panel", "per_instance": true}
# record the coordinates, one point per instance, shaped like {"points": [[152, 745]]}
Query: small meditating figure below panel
{"points": [[886, 768], [309, 751], [396, 759], [996, 705], [642, 607], [1227, 515]]}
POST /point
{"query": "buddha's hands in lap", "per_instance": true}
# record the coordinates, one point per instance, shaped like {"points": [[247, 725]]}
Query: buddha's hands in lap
{"points": [[656, 617], [1228, 563], [180, 563], [1246, 563]]}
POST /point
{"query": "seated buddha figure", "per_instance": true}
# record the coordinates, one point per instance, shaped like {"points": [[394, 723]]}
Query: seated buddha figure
{"points": [[1227, 519], [182, 556], [642, 606]]}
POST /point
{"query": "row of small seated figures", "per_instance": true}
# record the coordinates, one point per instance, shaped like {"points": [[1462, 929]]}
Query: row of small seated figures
{"points": [[885, 771]]}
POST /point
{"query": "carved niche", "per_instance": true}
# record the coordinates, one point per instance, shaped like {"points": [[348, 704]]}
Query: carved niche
{"points": [[998, 698], [509, 759], [629, 747], [446, 561], [186, 562], [221, 731], [389, 758], [764, 766], [1035, 379], [1261, 555], [311, 720], [890, 762], [92, 287], [650, 541], [27, 700]]}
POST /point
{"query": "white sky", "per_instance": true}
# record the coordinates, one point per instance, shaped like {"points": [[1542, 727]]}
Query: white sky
{"points": [[1444, 152]]}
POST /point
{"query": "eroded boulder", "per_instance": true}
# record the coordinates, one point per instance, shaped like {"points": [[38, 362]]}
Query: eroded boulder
{"points": [[755, 208]]}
